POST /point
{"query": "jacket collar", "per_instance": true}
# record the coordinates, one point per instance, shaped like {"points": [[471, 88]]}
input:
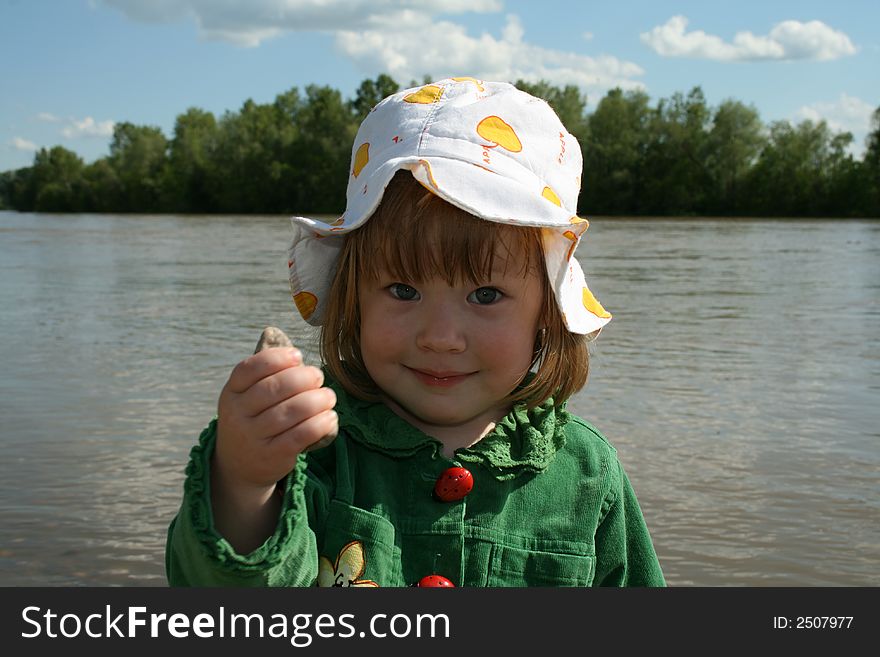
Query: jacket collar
{"points": [[525, 440]]}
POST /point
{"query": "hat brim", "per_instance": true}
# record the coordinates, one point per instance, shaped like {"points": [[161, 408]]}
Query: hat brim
{"points": [[475, 190]]}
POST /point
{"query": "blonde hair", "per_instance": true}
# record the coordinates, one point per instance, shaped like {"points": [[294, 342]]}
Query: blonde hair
{"points": [[440, 239]]}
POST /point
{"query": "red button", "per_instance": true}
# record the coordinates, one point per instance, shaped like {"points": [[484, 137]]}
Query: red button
{"points": [[453, 484], [435, 581]]}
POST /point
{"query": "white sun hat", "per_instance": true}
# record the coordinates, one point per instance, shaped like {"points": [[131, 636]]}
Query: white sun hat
{"points": [[485, 147]]}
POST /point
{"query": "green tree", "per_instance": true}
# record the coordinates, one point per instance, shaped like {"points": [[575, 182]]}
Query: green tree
{"points": [[138, 156], [17, 189], [732, 147], [842, 191], [676, 172], [872, 142], [322, 151], [614, 153], [55, 183], [7, 181], [251, 165], [870, 173], [102, 190], [186, 182], [798, 169], [289, 107], [369, 93]]}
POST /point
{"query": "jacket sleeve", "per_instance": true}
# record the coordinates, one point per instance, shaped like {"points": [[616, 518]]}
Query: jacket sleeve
{"points": [[196, 555], [625, 555]]}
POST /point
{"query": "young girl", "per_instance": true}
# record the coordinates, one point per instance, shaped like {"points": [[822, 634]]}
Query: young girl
{"points": [[454, 326]]}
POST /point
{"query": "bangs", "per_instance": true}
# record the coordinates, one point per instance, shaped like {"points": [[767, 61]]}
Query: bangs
{"points": [[420, 236]]}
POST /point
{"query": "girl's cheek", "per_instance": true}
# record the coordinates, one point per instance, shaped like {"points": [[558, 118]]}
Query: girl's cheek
{"points": [[374, 304]]}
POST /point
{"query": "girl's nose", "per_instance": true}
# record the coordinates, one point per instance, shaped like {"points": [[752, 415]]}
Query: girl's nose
{"points": [[441, 330]]}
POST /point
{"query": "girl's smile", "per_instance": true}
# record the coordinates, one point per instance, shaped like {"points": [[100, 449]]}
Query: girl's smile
{"points": [[442, 379]]}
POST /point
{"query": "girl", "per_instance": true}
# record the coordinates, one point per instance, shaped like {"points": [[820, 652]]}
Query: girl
{"points": [[454, 326]]}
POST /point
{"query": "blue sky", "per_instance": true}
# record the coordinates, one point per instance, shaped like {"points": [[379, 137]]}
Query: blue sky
{"points": [[71, 68]]}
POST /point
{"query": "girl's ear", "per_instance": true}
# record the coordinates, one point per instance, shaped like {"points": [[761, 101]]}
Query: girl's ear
{"points": [[540, 340]]}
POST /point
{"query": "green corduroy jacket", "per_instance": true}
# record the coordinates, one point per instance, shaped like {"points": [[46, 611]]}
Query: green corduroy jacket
{"points": [[550, 506]]}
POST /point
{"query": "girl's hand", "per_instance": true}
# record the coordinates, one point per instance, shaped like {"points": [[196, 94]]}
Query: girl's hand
{"points": [[272, 408]]}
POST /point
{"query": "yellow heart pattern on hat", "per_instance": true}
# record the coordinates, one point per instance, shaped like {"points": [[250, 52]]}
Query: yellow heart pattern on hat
{"points": [[361, 158], [592, 304], [474, 80], [580, 225], [570, 235], [425, 95], [494, 129], [551, 196], [306, 302]]}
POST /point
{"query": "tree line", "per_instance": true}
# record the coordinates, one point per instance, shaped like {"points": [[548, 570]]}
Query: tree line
{"points": [[678, 156]]}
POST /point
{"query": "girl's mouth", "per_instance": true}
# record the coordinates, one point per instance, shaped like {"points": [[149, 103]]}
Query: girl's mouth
{"points": [[439, 379]]}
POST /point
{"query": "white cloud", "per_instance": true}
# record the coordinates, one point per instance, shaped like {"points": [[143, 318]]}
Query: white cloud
{"points": [[20, 144], [48, 117], [787, 40], [444, 48], [405, 38], [846, 114], [813, 40], [88, 127], [249, 23]]}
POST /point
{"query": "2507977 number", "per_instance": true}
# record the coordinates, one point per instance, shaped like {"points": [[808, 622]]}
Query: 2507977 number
{"points": [[812, 623]]}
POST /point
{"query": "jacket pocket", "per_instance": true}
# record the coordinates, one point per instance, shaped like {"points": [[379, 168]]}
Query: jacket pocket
{"points": [[358, 549], [511, 566]]}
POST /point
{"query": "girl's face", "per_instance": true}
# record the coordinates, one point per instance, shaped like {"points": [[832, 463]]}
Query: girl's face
{"points": [[444, 355]]}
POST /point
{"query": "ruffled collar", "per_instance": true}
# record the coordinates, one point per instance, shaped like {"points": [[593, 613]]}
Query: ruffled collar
{"points": [[525, 440]]}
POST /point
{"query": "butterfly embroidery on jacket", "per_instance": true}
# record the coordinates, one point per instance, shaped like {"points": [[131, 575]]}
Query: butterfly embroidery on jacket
{"points": [[349, 566]]}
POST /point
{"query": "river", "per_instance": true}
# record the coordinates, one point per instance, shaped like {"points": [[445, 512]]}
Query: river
{"points": [[739, 380]]}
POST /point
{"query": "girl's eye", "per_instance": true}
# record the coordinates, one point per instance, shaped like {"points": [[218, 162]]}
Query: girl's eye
{"points": [[403, 292], [485, 296]]}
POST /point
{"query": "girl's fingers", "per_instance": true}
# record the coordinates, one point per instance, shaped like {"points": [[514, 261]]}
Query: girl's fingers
{"points": [[317, 430], [261, 365], [264, 461], [291, 412], [278, 387]]}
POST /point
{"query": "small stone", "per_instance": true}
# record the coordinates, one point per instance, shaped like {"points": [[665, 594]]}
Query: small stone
{"points": [[272, 337]]}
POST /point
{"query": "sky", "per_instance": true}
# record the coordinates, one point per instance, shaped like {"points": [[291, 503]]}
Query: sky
{"points": [[71, 69]]}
